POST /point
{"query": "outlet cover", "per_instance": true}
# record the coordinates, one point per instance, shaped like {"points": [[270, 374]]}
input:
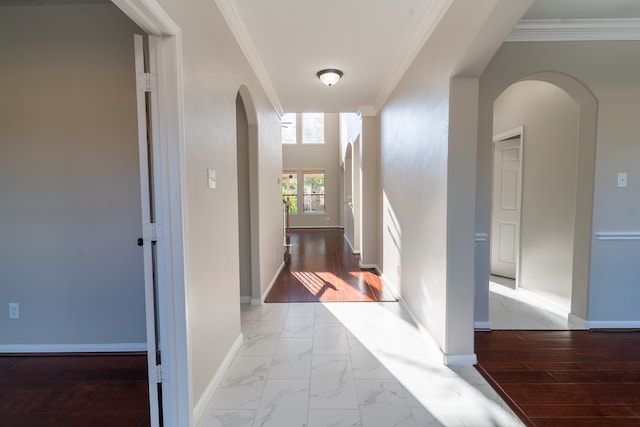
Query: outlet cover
{"points": [[14, 310]]}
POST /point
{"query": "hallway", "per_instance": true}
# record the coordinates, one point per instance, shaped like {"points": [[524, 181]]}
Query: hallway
{"points": [[346, 364]]}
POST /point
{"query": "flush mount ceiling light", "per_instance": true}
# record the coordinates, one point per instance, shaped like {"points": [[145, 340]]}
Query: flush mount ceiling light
{"points": [[329, 76]]}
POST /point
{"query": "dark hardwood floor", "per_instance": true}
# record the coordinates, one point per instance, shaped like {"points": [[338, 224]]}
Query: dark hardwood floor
{"points": [[74, 391], [321, 268], [565, 378]]}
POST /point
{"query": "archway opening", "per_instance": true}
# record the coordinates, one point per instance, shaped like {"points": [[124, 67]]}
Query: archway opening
{"points": [[549, 239]]}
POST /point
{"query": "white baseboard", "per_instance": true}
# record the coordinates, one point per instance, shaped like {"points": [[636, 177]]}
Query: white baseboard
{"points": [[482, 325], [349, 243], [266, 292], [613, 324], [460, 359], [577, 321], [245, 300], [369, 267], [302, 227], [201, 406], [74, 348]]}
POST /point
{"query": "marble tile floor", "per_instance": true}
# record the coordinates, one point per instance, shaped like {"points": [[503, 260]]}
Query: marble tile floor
{"points": [[511, 309], [346, 364]]}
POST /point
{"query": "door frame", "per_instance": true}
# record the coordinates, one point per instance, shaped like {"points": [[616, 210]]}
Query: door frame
{"points": [[170, 171], [502, 136]]}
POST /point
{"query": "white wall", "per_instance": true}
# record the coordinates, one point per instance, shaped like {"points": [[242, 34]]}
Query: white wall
{"points": [[214, 68], [609, 70], [550, 118], [69, 177], [318, 157], [427, 171]]}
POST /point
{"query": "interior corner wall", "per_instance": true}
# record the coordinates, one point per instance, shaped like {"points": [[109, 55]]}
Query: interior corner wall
{"points": [[549, 170], [414, 133], [324, 157], [370, 164], [608, 69], [213, 69], [69, 177]]}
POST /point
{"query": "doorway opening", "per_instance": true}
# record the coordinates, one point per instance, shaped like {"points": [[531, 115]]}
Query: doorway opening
{"points": [[542, 198]]}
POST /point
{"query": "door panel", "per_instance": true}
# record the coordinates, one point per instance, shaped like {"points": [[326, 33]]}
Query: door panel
{"points": [[145, 145], [505, 207]]}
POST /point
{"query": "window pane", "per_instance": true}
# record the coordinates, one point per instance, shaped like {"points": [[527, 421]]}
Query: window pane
{"points": [[314, 192], [313, 128], [290, 189], [288, 125]]}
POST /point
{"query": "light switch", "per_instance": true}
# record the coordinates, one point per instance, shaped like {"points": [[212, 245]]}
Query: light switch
{"points": [[622, 179], [211, 174]]}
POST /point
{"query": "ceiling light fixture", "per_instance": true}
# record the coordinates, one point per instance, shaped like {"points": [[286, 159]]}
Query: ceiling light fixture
{"points": [[329, 76]]}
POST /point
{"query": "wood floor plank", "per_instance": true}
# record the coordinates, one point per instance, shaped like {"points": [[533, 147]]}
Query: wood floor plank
{"points": [[596, 376], [74, 390], [321, 268]]}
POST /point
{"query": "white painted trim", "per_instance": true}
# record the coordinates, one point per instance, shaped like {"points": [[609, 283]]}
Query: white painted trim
{"points": [[266, 292], [618, 235], [481, 325], [239, 30], [369, 266], [460, 359], [613, 324], [74, 348], [245, 300], [448, 359], [310, 227], [201, 407], [481, 237], [432, 16], [529, 30], [511, 133], [578, 321], [348, 243], [172, 292]]}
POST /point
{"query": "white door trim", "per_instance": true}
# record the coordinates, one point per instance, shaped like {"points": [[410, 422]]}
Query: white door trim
{"points": [[170, 171], [511, 133]]}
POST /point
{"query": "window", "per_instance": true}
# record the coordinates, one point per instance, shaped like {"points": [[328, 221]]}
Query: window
{"points": [[290, 189], [314, 192], [313, 128], [288, 124]]}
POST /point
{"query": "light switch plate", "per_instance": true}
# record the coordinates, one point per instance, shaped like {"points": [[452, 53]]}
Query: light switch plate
{"points": [[622, 179], [211, 179]]}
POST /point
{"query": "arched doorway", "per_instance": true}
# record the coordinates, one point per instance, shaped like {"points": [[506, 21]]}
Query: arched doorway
{"points": [[247, 156], [558, 116]]}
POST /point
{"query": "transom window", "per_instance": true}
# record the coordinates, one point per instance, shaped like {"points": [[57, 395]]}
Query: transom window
{"points": [[305, 128]]}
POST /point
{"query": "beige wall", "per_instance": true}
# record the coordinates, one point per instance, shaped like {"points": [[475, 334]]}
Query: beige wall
{"points": [[318, 157], [214, 68], [610, 72], [69, 177], [550, 118], [428, 139]]}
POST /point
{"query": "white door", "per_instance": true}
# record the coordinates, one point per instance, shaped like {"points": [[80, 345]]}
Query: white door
{"points": [[146, 124], [505, 206]]}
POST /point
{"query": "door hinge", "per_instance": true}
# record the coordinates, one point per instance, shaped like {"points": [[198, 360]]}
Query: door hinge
{"points": [[146, 82], [158, 375], [150, 232]]}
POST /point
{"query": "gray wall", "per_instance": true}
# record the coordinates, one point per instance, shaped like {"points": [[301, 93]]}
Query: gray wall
{"points": [[550, 118], [69, 177], [610, 71], [318, 157]]}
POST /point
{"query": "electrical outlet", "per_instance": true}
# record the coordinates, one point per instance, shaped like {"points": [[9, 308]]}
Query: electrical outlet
{"points": [[14, 310]]}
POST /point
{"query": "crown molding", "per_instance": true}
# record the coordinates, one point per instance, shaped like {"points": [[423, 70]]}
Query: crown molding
{"points": [[239, 30], [541, 30], [428, 24]]}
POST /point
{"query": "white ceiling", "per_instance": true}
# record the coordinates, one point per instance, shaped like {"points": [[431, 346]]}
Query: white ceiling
{"points": [[371, 41]]}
